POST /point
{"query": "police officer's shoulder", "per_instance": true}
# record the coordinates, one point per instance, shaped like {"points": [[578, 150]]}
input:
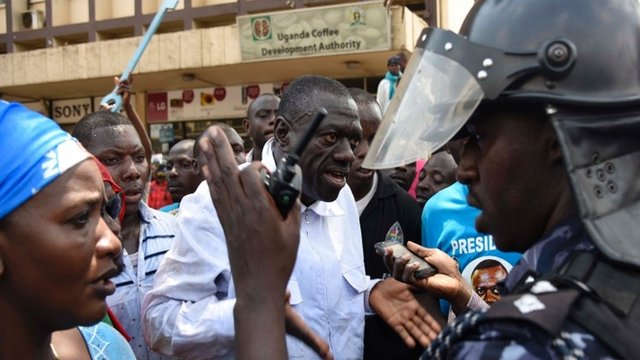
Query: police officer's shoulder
{"points": [[536, 323]]}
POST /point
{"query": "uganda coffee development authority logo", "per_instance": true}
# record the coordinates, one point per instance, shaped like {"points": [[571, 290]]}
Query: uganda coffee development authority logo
{"points": [[358, 17], [261, 28]]}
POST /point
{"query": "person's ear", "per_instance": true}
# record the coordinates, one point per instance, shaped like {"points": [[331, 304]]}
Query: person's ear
{"points": [[246, 124], [556, 151], [552, 145], [196, 166], [282, 132]]}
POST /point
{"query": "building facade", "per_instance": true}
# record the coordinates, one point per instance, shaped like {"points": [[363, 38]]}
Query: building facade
{"points": [[208, 59]]}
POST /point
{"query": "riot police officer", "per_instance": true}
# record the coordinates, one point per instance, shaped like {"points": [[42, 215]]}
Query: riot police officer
{"points": [[547, 95]]}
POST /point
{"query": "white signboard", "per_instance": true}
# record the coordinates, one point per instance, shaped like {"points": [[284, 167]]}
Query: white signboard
{"points": [[355, 27], [71, 111]]}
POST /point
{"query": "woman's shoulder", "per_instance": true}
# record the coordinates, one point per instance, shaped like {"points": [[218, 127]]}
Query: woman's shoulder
{"points": [[105, 342]]}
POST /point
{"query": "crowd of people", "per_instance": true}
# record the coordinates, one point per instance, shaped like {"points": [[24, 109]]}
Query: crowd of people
{"points": [[503, 161]]}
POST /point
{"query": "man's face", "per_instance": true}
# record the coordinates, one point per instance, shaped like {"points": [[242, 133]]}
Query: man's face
{"points": [[438, 173], [327, 160], [403, 175], [119, 148], [394, 69], [184, 172], [370, 118], [485, 282], [514, 177], [261, 117]]}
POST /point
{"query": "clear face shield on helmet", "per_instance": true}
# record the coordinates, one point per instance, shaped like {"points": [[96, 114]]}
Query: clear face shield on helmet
{"points": [[449, 76], [446, 79], [434, 99]]}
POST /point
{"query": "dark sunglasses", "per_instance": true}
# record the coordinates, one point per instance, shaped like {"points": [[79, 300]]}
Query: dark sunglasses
{"points": [[115, 205]]}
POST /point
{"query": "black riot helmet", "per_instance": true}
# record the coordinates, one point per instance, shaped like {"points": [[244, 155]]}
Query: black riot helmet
{"points": [[580, 59]]}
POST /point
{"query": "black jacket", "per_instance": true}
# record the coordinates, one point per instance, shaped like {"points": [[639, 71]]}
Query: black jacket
{"points": [[389, 204]]}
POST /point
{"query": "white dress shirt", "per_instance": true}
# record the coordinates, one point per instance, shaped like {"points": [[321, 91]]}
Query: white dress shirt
{"points": [[382, 94], [249, 156], [189, 312]]}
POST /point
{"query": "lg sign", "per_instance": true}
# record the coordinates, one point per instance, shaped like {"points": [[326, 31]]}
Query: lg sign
{"points": [[157, 109]]}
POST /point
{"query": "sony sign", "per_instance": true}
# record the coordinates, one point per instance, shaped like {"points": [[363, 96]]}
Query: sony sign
{"points": [[71, 111]]}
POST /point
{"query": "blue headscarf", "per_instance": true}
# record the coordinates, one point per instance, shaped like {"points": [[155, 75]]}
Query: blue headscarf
{"points": [[34, 151]]}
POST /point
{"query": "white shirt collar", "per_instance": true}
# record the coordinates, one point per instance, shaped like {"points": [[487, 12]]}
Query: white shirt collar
{"points": [[268, 159], [249, 156]]}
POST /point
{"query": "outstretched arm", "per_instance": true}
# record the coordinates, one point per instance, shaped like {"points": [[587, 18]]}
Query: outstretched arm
{"points": [[406, 312]]}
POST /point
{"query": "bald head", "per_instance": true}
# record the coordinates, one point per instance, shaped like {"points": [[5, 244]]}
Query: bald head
{"points": [[237, 145], [369, 111], [260, 102], [183, 147]]}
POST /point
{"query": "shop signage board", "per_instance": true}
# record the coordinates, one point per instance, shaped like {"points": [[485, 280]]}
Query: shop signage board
{"points": [[157, 107], [221, 102], [316, 31], [70, 111]]}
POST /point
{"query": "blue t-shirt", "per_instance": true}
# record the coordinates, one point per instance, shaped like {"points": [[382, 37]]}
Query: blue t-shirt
{"points": [[106, 343], [171, 208], [448, 223]]}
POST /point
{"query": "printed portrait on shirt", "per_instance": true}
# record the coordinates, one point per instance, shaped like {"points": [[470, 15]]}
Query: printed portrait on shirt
{"points": [[484, 274]]}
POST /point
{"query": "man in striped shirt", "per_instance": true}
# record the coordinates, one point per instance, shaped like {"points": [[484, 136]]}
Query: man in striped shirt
{"points": [[146, 233]]}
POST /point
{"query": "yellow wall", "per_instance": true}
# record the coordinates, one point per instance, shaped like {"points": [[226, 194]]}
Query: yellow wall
{"points": [[453, 12]]}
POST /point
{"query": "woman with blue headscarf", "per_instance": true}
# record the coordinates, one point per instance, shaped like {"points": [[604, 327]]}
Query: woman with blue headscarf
{"points": [[56, 252]]}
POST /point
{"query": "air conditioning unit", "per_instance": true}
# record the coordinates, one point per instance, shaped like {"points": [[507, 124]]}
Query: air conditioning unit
{"points": [[33, 19]]}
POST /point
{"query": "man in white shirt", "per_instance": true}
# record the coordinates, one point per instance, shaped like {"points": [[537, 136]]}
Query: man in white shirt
{"points": [[388, 85], [189, 312]]}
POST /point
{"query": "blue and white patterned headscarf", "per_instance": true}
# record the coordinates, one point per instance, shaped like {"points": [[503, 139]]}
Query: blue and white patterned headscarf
{"points": [[34, 151]]}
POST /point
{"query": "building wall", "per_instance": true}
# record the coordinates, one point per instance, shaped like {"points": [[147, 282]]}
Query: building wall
{"points": [[453, 13], [82, 44]]}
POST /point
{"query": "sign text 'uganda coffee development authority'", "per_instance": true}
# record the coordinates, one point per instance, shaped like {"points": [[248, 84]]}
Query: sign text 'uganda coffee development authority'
{"points": [[316, 31]]}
